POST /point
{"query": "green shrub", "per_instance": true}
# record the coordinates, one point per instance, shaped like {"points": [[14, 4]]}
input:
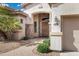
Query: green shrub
{"points": [[25, 38], [43, 48], [47, 41]]}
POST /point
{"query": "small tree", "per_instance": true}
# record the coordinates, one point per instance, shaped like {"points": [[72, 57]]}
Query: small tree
{"points": [[8, 25]]}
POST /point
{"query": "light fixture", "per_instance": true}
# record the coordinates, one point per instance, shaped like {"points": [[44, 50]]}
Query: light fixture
{"points": [[56, 22]]}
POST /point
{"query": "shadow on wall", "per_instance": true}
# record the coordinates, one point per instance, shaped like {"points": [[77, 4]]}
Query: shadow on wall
{"points": [[76, 39]]}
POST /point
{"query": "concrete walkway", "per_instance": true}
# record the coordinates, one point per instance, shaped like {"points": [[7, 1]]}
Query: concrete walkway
{"points": [[70, 54], [28, 51], [22, 51]]}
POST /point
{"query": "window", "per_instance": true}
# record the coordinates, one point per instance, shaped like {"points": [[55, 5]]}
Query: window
{"points": [[21, 20], [35, 26]]}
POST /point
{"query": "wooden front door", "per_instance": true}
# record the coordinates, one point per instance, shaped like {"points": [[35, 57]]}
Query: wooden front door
{"points": [[45, 29]]}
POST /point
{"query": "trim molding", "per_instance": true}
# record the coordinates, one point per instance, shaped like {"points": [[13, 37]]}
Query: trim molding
{"points": [[56, 34]]}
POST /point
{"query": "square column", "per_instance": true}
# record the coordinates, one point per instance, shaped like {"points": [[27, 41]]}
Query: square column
{"points": [[56, 41], [55, 32]]}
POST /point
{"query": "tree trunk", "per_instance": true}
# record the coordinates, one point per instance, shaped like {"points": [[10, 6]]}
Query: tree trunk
{"points": [[9, 35], [3, 35]]}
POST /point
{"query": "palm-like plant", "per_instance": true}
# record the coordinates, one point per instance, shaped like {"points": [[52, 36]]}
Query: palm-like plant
{"points": [[8, 23]]}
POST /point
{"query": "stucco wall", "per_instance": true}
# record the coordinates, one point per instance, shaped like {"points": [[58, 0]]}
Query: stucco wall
{"points": [[42, 7], [69, 8], [21, 34]]}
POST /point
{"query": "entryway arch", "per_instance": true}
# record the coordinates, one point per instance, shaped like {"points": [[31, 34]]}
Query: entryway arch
{"points": [[41, 24]]}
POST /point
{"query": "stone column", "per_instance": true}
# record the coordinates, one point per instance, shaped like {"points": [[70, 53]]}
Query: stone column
{"points": [[55, 32]]}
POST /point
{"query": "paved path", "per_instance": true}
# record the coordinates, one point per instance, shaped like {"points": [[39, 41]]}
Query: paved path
{"points": [[22, 51], [28, 51], [25, 50], [70, 54]]}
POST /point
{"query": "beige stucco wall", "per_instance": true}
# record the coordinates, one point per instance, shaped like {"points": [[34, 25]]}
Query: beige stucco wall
{"points": [[21, 34], [42, 7]]}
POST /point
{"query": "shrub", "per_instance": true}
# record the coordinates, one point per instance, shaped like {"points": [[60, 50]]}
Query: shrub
{"points": [[43, 48], [25, 38], [47, 41]]}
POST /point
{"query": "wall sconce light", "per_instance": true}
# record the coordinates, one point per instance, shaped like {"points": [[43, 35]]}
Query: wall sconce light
{"points": [[56, 22]]}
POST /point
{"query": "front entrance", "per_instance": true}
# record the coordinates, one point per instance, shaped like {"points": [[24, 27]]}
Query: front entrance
{"points": [[70, 29], [41, 26], [45, 29]]}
